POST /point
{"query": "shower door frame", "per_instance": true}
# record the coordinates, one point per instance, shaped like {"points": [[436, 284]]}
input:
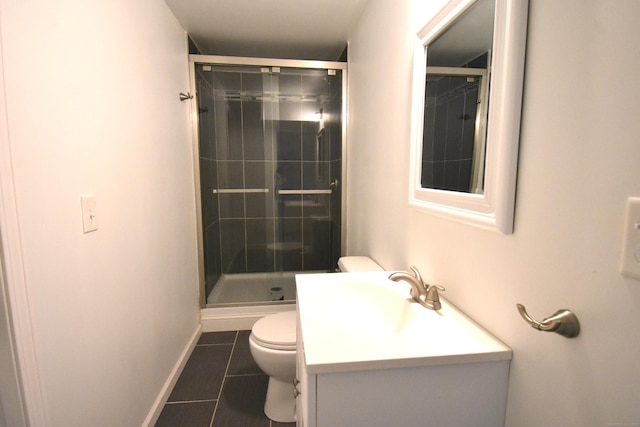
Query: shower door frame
{"points": [[195, 137]]}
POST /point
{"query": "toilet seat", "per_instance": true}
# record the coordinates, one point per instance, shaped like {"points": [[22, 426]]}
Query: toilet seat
{"points": [[276, 331]]}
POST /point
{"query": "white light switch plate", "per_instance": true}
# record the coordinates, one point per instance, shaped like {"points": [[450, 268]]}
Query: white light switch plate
{"points": [[630, 262], [89, 213]]}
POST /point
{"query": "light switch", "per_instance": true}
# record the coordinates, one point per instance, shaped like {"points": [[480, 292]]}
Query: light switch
{"points": [[630, 262], [89, 213]]}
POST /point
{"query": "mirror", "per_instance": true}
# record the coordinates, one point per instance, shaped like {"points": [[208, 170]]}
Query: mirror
{"points": [[467, 94], [456, 102]]}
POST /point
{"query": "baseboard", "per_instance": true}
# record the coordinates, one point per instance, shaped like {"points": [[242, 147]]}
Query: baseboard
{"points": [[237, 318], [156, 409]]}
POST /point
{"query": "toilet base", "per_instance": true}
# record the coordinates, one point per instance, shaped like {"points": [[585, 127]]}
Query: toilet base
{"points": [[280, 405]]}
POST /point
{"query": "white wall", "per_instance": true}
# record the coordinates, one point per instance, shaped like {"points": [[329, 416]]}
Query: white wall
{"points": [[12, 412], [578, 164], [92, 108]]}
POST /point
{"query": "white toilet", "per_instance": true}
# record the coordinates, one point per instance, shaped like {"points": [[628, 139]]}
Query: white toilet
{"points": [[273, 346]]}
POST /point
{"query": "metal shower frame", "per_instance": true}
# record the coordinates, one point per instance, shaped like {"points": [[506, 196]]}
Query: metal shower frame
{"points": [[260, 62]]}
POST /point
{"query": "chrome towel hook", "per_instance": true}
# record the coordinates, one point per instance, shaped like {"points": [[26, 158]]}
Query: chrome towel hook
{"points": [[562, 322]]}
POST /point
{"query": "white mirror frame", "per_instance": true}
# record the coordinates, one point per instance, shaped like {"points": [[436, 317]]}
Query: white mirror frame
{"points": [[493, 210]]}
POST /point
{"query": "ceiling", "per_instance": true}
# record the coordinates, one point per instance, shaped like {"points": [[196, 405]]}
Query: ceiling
{"points": [[293, 29], [469, 36]]}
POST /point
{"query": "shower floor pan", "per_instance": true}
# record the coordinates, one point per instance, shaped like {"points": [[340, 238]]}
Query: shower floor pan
{"points": [[239, 300]]}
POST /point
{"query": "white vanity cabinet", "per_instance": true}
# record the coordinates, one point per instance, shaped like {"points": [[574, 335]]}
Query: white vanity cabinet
{"points": [[415, 377], [472, 395], [305, 386]]}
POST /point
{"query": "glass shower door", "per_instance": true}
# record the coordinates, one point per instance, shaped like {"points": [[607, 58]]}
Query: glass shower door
{"points": [[270, 149]]}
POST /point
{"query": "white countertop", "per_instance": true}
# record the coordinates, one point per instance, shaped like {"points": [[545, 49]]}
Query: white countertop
{"points": [[426, 337]]}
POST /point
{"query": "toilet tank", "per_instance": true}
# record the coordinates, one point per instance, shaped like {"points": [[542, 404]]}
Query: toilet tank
{"points": [[357, 264]]}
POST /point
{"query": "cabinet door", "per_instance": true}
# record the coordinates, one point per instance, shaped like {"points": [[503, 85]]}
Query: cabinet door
{"points": [[306, 399], [302, 402]]}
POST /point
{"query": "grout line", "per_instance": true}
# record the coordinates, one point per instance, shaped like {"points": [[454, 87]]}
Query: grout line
{"points": [[179, 402], [257, 374], [224, 378], [214, 344]]}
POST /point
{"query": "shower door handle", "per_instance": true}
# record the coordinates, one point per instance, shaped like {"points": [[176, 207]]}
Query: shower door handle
{"points": [[303, 192], [332, 185], [239, 190]]}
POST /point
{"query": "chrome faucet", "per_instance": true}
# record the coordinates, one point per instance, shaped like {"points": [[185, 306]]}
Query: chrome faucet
{"points": [[423, 293]]}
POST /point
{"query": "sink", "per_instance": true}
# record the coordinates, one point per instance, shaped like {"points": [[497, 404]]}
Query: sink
{"points": [[366, 321], [360, 334], [364, 308]]}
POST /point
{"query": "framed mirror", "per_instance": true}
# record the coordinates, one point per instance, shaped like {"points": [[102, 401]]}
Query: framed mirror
{"points": [[467, 97]]}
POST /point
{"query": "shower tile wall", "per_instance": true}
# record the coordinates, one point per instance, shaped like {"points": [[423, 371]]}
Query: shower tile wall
{"points": [[264, 147], [208, 178], [451, 104], [450, 114], [334, 132]]}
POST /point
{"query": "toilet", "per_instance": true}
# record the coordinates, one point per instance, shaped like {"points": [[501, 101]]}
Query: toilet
{"points": [[273, 346]]}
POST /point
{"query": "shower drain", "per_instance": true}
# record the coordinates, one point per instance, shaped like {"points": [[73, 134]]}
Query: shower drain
{"points": [[277, 294]]}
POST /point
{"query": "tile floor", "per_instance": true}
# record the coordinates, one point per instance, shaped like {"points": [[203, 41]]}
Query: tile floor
{"points": [[220, 386]]}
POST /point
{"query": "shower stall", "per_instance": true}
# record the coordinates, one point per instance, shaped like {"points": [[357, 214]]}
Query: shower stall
{"points": [[269, 138]]}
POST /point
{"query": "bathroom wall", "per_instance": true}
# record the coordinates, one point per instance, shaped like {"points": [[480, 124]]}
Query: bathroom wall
{"points": [[578, 163], [92, 108]]}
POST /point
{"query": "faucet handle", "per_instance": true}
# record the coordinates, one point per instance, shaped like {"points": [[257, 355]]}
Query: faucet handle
{"points": [[432, 292], [433, 297]]}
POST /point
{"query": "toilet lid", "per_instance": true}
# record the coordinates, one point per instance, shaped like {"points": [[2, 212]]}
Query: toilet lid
{"points": [[276, 330]]}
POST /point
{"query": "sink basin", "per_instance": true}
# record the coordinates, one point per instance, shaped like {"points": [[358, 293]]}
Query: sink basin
{"points": [[363, 321], [364, 308]]}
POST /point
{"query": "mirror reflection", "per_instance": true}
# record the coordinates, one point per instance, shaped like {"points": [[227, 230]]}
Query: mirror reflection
{"points": [[456, 102]]}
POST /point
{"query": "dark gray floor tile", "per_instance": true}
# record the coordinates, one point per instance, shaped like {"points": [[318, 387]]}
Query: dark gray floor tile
{"points": [[242, 402], [194, 414], [203, 374], [217, 338], [242, 362], [276, 424]]}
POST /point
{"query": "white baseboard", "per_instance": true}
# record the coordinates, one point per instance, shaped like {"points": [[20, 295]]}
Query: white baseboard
{"points": [[237, 318], [156, 409]]}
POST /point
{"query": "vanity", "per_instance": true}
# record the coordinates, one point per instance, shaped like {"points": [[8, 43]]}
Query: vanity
{"points": [[368, 356]]}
